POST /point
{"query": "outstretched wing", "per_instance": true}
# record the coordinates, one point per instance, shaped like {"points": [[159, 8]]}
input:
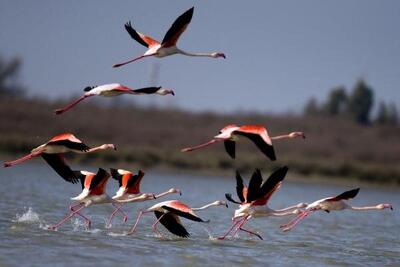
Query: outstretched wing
{"points": [[183, 214], [230, 148], [116, 175], [98, 178], [346, 195], [139, 37], [254, 186], [172, 223], [56, 161], [70, 145], [229, 198], [146, 90], [177, 28], [133, 184], [240, 187], [271, 185], [265, 148]]}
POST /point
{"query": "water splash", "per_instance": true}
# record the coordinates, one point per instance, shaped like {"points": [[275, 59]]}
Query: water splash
{"points": [[28, 217]]}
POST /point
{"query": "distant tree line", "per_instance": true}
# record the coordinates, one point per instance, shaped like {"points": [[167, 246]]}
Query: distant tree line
{"points": [[356, 106]]}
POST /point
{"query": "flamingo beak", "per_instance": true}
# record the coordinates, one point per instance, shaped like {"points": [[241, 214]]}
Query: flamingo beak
{"points": [[226, 205], [172, 93], [154, 196], [115, 147], [180, 193]]}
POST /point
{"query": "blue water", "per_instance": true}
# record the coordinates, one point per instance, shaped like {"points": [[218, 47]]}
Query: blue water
{"points": [[33, 197]]}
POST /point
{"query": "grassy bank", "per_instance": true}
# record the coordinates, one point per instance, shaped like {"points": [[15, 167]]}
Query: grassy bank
{"points": [[152, 138]]}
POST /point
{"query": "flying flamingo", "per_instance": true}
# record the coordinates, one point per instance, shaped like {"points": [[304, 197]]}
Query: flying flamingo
{"points": [[168, 213], [114, 89], [168, 45], [129, 189], [254, 199], [332, 203], [53, 153], [93, 192], [256, 133]]}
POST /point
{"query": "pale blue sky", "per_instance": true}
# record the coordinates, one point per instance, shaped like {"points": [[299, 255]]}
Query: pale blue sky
{"points": [[279, 53]]}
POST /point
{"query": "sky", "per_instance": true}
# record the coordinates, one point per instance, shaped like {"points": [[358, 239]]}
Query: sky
{"points": [[279, 53]]}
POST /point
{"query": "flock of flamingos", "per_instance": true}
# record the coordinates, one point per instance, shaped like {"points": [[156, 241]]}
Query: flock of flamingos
{"points": [[252, 199]]}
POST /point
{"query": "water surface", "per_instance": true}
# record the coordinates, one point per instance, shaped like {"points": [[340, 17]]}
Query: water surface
{"points": [[33, 197]]}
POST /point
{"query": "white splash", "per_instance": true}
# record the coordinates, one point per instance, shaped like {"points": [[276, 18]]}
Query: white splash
{"points": [[28, 217]]}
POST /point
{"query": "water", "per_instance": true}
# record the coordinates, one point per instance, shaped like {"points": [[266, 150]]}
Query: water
{"points": [[33, 197]]}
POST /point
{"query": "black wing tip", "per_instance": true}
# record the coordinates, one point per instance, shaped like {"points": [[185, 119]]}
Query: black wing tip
{"points": [[102, 172], [114, 173], [141, 173]]}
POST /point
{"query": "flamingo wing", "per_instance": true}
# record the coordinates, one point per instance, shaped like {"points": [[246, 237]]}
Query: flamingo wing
{"points": [[70, 144], [100, 176], [230, 148], [56, 161], [344, 196], [240, 187], [133, 183], [146, 90], [229, 198], [81, 177], [265, 148], [140, 37], [185, 214], [254, 186], [172, 223], [116, 175], [177, 28], [271, 185]]}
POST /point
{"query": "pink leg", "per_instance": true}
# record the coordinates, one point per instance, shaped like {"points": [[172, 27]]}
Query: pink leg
{"points": [[296, 218], [120, 210], [87, 220], [136, 223], [295, 222], [117, 208], [155, 225], [130, 61], [188, 149], [54, 227], [230, 230], [20, 160], [250, 232], [240, 225], [70, 105]]}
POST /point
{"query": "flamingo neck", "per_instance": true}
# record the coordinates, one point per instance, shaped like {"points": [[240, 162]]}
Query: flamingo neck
{"points": [[291, 208], [194, 54], [102, 147], [366, 208], [278, 137], [164, 194], [206, 206]]}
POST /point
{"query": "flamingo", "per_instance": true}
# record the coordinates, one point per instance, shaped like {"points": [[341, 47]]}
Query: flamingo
{"points": [[129, 189], [168, 45], [332, 203], [93, 192], [53, 153], [255, 197], [256, 133], [114, 89], [168, 213]]}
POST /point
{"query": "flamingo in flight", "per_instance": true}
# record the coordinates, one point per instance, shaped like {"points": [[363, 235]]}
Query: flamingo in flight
{"points": [[332, 203], [254, 199], [168, 213], [168, 45], [53, 153], [129, 189], [93, 192], [256, 133], [114, 89]]}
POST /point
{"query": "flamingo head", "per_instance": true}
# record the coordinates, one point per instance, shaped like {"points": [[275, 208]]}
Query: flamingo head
{"points": [[218, 54], [88, 88], [297, 134], [220, 203], [174, 190], [148, 196], [301, 205], [109, 146], [385, 206], [226, 132]]}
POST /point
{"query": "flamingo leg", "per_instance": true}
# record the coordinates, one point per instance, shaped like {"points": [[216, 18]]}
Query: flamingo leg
{"points": [[136, 223], [70, 105], [87, 220], [250, 232], [242, 222], [155, 225], [69, 216], [235, 223], [188, 149], [295, 221], [20, 160], [117, 208], [130, 61]]}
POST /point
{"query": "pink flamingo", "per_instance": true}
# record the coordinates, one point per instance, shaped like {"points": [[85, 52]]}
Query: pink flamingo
{"points": [[256, 133], [114, 89], [168, 45], [254, 200], [332, 203], [93, 192], [129, 189], [53, 153], [168, 213]]}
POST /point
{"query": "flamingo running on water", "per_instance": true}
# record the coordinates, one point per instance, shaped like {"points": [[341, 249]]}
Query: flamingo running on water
{"points": [[332, 203], [168, 213], [114, 89], [256, 133], [93, 192], [129, 189], [168, 45], [53, 153], [254, 199]]}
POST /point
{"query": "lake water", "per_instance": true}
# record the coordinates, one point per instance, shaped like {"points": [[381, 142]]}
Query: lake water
{"points": [[33, 197]]}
